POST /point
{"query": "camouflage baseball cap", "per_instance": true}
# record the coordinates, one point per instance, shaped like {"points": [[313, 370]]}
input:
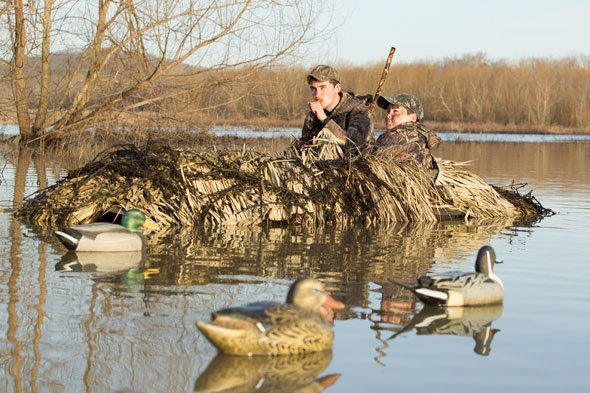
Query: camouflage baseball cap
{"points": [[323, 73], [404, 99]]}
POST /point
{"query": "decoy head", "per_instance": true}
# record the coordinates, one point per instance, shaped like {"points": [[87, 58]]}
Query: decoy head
{"points": [[483, 340], [133, 219], [309, 293], [485, 260]]}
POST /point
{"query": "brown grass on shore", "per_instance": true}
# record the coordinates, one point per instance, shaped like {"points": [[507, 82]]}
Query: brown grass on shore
{"points": [[265, 123]]}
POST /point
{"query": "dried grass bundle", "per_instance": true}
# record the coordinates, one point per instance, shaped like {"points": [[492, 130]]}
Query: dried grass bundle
{"points": [[310, 186], [465, 191]]}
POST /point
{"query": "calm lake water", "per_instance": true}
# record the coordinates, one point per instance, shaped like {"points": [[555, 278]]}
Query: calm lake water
{"points": [[127, 323]]}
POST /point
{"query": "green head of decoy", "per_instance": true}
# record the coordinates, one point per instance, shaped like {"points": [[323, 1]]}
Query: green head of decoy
{"points": [[134, 219]]}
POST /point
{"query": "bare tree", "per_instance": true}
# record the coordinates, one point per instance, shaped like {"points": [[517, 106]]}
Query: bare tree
{"points": [[76, 63]]}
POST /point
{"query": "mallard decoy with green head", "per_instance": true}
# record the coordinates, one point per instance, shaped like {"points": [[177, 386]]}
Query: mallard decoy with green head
{"points": [[107, 237], [265, 328], [478, 288]]}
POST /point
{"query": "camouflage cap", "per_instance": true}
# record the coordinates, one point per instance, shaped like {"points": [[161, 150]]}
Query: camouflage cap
{"points": [[404, 99], [323, 73]]}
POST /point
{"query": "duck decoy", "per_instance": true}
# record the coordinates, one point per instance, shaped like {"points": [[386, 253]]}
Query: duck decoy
{"points": [[107, 237], [462, 289], [265, 328]]}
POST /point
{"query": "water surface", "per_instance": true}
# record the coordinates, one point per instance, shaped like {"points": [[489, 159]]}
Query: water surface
{"points": [[79, 324]]}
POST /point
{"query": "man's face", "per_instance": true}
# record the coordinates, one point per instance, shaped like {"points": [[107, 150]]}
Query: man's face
{"points": [[398, 114], [325, 93]]}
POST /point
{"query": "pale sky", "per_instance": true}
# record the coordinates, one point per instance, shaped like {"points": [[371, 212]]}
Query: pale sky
{"points": [[435, 29]]}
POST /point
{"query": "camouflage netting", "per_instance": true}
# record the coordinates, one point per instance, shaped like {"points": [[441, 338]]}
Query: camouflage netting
{"points": [[177, 187]]}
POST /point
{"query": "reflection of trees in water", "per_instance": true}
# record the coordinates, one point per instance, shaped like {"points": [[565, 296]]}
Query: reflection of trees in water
{"points": [[523, 161], [21, 372], [14, 298]]}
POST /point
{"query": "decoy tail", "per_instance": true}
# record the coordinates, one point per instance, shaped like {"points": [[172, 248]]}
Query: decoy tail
{"points": [[427, 295], [408, 327], [69, 237], [399, 284]]}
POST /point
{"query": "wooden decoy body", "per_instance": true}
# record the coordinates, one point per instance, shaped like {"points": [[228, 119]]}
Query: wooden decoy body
{"points": [[298, 326], [478, 288], [107, 237]]}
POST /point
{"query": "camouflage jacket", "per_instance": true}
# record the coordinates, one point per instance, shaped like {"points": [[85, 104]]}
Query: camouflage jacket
{"points": [[409, 141], [350, 120]]}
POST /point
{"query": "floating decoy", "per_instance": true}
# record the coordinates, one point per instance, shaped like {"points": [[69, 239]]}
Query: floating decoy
{"points": [[107, 237], [265, 328], [462, 289]]}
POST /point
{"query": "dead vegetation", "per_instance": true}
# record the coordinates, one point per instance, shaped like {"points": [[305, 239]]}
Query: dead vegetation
{"points": [[180, 187]]}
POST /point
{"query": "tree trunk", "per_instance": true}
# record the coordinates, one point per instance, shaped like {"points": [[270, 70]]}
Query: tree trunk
{"points": [[41, 116], [20, 79]]}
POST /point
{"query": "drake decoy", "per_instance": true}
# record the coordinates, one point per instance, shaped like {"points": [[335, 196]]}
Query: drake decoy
{"points": [[462, 289], [265, 328], [107, 237]]}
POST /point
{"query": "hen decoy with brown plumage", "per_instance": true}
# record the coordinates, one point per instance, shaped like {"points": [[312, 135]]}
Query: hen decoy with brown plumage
{"points": [[298, 326]]}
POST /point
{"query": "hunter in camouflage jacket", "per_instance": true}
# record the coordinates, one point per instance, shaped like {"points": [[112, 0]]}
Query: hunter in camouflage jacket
{"points": [[409, 141], [350, 121]]}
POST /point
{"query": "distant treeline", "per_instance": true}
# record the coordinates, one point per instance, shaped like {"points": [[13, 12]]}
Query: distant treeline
{"points": [[527, 95], [532, 93]]}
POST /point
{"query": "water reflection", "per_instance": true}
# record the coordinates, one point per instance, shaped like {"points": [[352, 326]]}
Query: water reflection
{"points": [[535, 163], [345, 260], [297, 373], [105, 329], [102, 262], [475, 322], [14, 333]]}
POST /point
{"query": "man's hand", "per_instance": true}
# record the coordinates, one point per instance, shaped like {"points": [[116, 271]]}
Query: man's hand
{"points": [[317, 109]]}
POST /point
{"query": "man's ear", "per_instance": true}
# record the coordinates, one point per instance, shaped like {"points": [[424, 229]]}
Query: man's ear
{"points": [[338, 87], [414, 117]]}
